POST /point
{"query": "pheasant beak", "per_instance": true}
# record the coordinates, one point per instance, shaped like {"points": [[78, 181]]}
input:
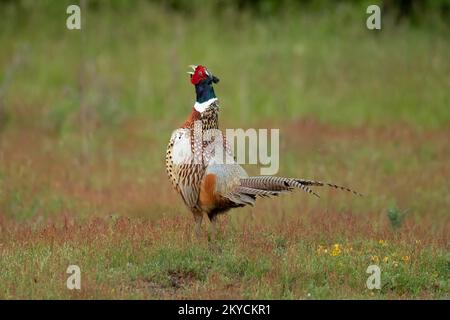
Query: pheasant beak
{"points": [[193, 70], [211, 77]]}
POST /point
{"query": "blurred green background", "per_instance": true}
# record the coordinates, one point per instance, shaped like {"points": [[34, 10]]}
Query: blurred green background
{"points": [[276, 59]]}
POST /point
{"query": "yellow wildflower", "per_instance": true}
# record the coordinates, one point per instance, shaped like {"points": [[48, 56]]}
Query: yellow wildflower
{"points": [[375, 259], [382, 243], [385, 259], [406, 258], [336, 250]]}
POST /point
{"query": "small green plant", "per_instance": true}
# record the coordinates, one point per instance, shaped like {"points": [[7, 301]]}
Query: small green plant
{"points": [[395, 217]]}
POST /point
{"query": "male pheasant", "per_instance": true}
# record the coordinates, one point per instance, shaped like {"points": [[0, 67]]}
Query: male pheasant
{"points": [[206, 183]]}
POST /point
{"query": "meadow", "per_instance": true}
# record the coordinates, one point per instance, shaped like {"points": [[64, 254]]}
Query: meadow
{"points": [[85, 117]]}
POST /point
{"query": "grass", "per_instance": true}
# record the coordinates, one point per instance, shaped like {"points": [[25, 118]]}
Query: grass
{"points": [[134, 258], [85, 118]]}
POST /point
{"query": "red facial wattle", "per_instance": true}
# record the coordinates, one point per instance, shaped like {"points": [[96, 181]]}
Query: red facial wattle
{"points": [[199, 75]]}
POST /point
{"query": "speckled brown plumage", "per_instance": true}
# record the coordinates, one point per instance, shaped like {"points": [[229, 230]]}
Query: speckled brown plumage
{"points": [[207, 185]]}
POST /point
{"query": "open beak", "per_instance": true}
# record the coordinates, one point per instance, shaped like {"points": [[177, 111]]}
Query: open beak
{"points": [[193, 69], [212, 77]]}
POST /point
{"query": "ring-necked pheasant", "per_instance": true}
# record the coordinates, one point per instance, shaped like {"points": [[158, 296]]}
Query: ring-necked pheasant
{"points": [[207, 184]]}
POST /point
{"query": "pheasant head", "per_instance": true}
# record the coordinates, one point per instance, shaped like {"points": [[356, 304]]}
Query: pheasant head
{"points": [[203, 81]]}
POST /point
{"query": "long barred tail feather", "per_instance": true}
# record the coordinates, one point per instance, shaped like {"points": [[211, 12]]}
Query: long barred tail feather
{"points": [[279, 184], [321, 184], [257, 192]]}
